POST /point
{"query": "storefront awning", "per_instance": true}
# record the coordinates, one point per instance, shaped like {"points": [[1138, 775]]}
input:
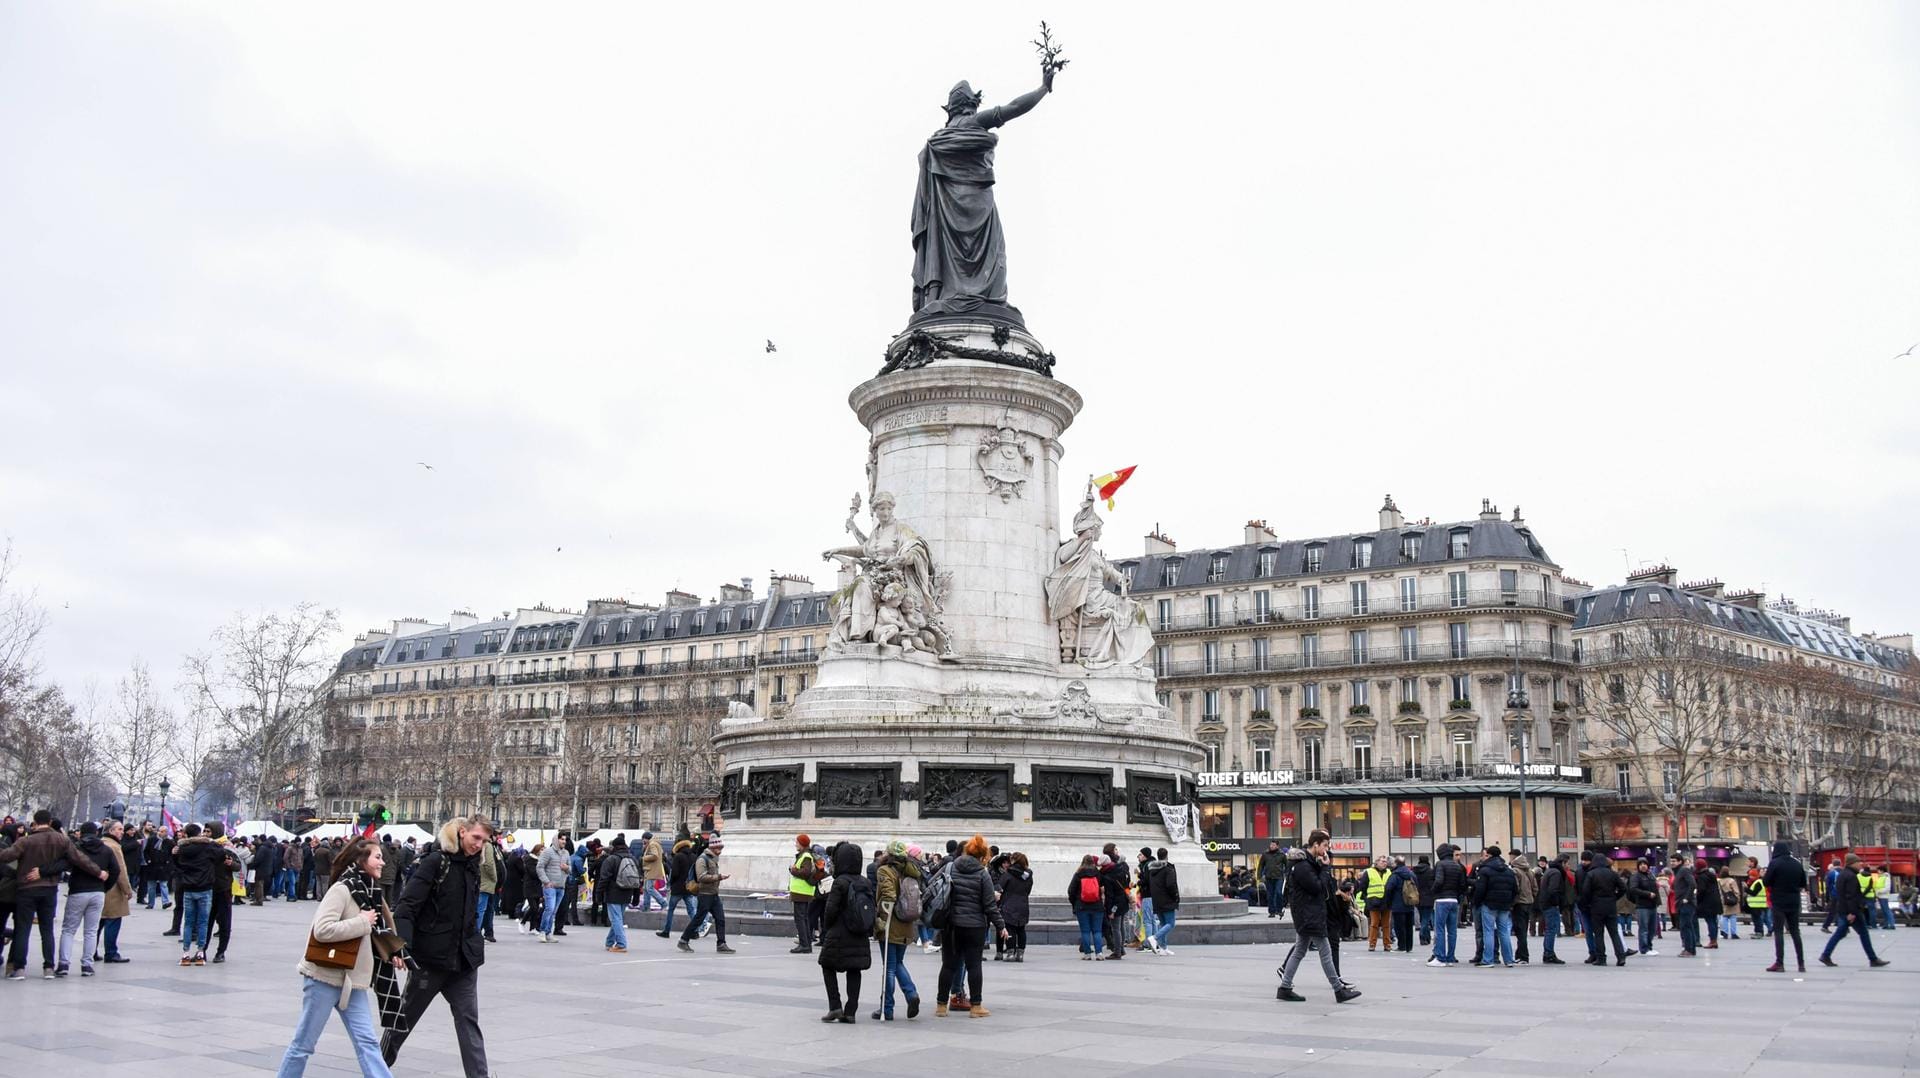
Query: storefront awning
{"points": [[1327, 791]]}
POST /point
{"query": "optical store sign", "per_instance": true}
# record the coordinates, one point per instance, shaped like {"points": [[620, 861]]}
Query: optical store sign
{"points": [[1223, 780]]}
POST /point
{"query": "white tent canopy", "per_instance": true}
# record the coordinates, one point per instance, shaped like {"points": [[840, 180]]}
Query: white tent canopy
{"points": [[526, 838], [401, 832], [330, 830], [253, 828]]}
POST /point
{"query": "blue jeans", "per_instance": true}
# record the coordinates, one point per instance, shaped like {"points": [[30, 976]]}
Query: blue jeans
{"points": [[483, 915], [927, 934], [1858, 924], [319, 999], [1643, 917], [672, 903], [1092, 938], [616, 925], [550, 903], [1496, 934], [896, 972], [653, 894], [289, 883], [1886, 913], [196, 907], [110, 936], [151, 886], [1276, 896], [1163, 925], [1426, 925], [1688, 922], [1446, 928], [1552, 934]]}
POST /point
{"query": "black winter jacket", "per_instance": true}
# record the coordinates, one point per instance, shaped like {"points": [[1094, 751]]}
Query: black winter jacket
{"points": [[1073, 890], [1309, 886], [1493, 884], [1423, 879], [1786, 879], [1644, 890], [95, 848], [1600, 889], [1163, 886], [971, 899], [1554, 891], [438, 910], [606, 887], [1449, 880], [199, 861], [1849, 902], [1015, 906], [1117, 878], [841, 949]]}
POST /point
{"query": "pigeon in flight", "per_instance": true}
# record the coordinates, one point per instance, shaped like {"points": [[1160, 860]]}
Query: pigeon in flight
{"points": [[771, 348], [1902, 355], [424, 464]]}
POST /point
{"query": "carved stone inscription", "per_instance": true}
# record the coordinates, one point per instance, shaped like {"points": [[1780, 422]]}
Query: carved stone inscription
{"points": [[773, 791], [730, 793], [1063, 794], [914, 417], [857, 791], [966, 791], [1147, 791]]}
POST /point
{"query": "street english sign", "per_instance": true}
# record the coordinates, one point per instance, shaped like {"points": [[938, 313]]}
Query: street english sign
{"points": [[1245, 778], [1542, 771]]}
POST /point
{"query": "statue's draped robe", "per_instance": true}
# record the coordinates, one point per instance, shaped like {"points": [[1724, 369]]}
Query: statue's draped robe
{"points": [[1112, 628], [858, 605], [957, 242]]}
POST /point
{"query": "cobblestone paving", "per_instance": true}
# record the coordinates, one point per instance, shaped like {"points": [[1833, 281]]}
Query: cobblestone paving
{"points": [[570, 1008]]}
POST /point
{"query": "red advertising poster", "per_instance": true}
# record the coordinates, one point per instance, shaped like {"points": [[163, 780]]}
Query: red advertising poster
{"points": [[1262, 815], [1288, 821], [1404, 819], [1422, 812]]}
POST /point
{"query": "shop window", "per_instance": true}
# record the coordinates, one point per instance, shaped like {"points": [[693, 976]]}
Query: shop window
{"points": [[1464, 818], [1521, 823], [1216, 820], [1413, 819], [1347, 819], [1566, 818]]}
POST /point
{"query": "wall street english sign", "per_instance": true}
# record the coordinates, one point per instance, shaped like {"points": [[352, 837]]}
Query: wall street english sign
{"points": [[1221, 779]]}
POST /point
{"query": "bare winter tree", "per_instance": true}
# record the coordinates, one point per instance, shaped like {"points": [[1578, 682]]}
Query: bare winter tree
{"points": [[24, 703], [257, 682], [137, 737], [1656, 701]]}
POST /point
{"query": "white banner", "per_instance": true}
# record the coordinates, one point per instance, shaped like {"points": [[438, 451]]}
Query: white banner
{"points": [[1194, 830], [1175, 817]]}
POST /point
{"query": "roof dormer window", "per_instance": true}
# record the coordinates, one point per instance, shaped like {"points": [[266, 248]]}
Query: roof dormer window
{"points": [[1457, 542], [1362, 556], [1410, 547], [1316, 557], [1217, 568]]}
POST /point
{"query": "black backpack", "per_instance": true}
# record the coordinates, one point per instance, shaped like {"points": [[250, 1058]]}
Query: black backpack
{"points": [[858, 916]]}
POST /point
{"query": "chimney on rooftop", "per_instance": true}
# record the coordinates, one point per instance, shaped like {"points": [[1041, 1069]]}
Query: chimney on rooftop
{"points": [[1158, 542], [737, 593], [1258, 532], [1654, 574], [780, 585], [1488, 510], [1752, 600], [460, 619], [1390, 518], [681, 598]]}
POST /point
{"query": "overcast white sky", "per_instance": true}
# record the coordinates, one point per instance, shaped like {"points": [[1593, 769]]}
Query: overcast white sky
{"points": [[1641, 268]]}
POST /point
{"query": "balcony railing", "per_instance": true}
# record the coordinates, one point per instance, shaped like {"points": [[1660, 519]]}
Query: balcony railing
{"points": [[790, 658], [1339, 659], [1385, 604]]}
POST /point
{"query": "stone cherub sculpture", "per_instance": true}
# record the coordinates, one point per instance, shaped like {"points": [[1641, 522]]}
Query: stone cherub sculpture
{"points": [[893, 588], [1098, 627]]}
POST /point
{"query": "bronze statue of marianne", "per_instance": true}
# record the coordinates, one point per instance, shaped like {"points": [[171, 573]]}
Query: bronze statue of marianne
{"points": [[959, 252]]}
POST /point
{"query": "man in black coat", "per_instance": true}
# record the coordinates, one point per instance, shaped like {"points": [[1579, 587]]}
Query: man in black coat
{"points": [[1600, 891], [1310, 891], [1449, 887], [1116, 879], [1851, 913], [438, 916], [1555, 895], [1786, 881], [1686, 911], [1273, 877], [1423, 879], [1494, 891]]}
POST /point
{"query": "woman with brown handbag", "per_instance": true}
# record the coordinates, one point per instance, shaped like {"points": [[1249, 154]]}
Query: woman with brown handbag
{"points": [[351, 949]]}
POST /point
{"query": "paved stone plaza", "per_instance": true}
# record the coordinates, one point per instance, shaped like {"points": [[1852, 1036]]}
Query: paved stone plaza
{"points": [[572, 1009]]}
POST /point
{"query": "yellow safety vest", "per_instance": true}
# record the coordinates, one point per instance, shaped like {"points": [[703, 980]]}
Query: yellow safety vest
{"points": [[1756, 895], [1377, 883], [1869, 887], [798, 886]]}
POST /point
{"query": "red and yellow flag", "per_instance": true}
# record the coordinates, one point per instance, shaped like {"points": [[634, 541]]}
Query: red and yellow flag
{"points": [[1113, 481]]}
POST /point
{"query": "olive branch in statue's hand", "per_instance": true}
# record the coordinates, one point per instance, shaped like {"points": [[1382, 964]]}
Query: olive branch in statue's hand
{"points": [[1050, 61]]}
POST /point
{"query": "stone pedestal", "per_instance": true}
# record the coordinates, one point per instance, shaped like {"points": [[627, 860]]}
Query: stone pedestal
{"points": [[1001, 738]]}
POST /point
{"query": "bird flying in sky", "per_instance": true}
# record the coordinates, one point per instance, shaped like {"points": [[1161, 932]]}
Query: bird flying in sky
{"points": [[771, 348]]}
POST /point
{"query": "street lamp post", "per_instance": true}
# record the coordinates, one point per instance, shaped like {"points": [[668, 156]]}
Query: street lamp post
{"points": [[164, 787], [493, 790], [1518, 706]]}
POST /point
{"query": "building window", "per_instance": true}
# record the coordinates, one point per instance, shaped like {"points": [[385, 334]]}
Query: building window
{"points": [[1216, 820], [1262, 754], [1313, 757], [1410, 547], [1217, 568], [1348, 819], [1362, 554], [1212, 606], [1260, 658], [1210, 706], [1456, 590], [1409, 594], [1462, 687], [1309, 650], [1412, 749], [1260, 698], [1413, 819], [1269, 560], [1521, 823], [1457, 639], [1566, 818], [1670, 778], [1363, 757], [1262, 601], [1357, 644], [1212, 750], [1464, 818], [1316, 556], [1210, 661], [1457, 542], [1162, 660], [1165, 609], [1622, 779], [1169, 573], [1357, 592], [1462, 754], [1409, 690], [1310, 695], [1310, 601], [1359, 689], [1509, 585], [1562, 749], [1409, 643]]}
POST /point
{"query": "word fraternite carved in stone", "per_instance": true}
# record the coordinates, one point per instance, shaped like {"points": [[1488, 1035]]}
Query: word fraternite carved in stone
{"points": [[1098, 627], [895, 598], [1006, 462]]}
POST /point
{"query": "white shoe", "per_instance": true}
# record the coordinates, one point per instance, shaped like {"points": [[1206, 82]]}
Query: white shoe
{"points": [[1651, 953], [546, 937], [1164, 950], [1435, 962]]}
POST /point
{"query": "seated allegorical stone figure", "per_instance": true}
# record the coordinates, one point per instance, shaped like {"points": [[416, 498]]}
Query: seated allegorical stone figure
{"points": [[893, 577], [1098, 627]]}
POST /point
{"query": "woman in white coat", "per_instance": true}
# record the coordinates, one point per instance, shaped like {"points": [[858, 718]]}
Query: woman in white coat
{"points": [[351, 909]]}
